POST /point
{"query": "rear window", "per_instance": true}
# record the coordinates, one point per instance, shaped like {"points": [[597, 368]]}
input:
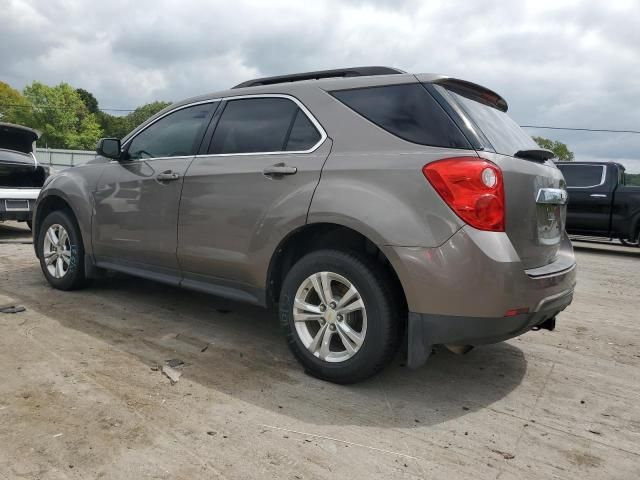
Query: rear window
{"points": [[505, 135], [406, 111], [583, 175]]}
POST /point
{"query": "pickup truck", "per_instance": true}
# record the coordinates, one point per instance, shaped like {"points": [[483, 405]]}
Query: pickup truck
{"points": [[21, 176], [601, 204]]}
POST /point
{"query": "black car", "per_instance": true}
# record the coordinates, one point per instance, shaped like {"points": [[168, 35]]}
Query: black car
{"points": [[20, 174], [600, 201]]}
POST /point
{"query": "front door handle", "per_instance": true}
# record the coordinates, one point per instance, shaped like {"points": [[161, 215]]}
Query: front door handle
{"points": [[279, 169], [167, 176], [598, 195]]}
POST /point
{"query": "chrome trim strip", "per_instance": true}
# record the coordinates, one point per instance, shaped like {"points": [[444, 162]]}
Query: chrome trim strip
{"points": [[554, 196], [305, 110]]}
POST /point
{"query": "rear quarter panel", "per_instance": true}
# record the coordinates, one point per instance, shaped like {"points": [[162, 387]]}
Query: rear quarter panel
{"points": [[373, 183]]}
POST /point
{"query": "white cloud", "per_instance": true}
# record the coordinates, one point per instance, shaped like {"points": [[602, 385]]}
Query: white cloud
{"points": [[569, 63]]}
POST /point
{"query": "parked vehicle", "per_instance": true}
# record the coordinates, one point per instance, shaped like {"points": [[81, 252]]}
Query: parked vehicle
{"points": [[368, 204], [20, 174], [600, 202]]}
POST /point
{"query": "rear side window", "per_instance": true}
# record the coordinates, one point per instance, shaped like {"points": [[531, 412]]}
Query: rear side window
{"points": [[505, 135], [303, 134], [583, 175], [406, 111], [263, 125]]}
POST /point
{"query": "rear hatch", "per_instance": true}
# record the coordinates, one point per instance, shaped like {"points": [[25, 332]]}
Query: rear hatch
{"points": [[535, 194]]}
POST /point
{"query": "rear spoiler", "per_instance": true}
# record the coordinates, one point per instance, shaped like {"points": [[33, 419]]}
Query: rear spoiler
{"points": [[474, 92]]}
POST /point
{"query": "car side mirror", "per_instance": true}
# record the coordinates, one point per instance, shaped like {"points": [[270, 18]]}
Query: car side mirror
{"points": [[109, 147]]}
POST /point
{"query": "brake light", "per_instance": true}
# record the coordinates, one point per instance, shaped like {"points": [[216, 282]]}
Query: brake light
{"points": [[472, 187]]}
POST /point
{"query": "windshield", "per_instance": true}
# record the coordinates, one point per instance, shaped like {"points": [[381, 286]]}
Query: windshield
{"points": [[501, 131]]}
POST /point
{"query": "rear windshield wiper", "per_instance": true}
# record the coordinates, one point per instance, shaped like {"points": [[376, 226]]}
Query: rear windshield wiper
{"points": [[537, 154]]}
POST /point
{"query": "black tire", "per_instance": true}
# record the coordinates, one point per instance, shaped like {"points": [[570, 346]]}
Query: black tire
{"points": [[631, 243], [75, 277], [383, 325]]}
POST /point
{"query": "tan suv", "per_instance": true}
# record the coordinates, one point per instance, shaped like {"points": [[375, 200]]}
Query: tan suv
{"points": [[368, 204]]}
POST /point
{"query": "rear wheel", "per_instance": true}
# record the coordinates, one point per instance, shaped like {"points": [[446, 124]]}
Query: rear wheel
{"points": [[61, 251], [339, 316], [631, 243]]}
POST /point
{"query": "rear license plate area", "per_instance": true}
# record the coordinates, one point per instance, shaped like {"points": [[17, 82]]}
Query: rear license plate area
{"points": [[549, 223], [17, 205]]}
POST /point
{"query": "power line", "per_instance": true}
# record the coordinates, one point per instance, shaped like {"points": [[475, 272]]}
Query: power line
{"points": [[57, 107], [582, 129]]}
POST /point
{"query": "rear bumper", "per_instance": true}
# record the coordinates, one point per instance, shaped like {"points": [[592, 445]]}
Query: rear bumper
{"points": [[17, 203], [460, 292], [426, 330], [478, 274]]}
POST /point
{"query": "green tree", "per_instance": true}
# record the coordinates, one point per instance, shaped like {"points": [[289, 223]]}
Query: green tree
{"points": [[142, 113], [88, 99], [61, 115], [632, 179], [119, 126], [560, 149], [14, 108]]}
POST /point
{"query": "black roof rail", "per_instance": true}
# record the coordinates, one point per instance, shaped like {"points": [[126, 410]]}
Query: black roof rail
{"points": [[339, 72]]}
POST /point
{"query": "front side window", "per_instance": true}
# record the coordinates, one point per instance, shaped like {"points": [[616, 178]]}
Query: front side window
{"points": [[263, 125], [406, 111], [175, 135], [582, 175]]}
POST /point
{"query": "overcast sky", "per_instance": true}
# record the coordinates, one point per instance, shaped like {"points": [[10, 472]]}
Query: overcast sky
{"points": [[559, 63]]}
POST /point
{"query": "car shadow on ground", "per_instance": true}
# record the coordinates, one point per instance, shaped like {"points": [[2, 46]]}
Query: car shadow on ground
{"points": [[246, 356], [14, 232]]}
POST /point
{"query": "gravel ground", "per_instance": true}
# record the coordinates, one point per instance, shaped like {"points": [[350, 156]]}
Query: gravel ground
{"points": [[82, 394]]}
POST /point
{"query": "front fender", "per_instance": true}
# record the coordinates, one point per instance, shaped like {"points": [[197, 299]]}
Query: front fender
{"points": [[75, 186]]}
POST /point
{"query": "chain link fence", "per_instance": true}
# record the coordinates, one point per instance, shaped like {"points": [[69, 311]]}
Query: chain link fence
{"points": [[60, 158]]}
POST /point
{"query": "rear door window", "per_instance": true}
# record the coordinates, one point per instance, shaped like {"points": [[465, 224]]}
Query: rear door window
{"points": [[406, 111], [263, 125], [583, 176], [505, 135]]}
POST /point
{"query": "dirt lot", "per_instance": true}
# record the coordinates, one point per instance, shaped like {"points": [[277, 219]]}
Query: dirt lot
{"points": [[81, 397]]}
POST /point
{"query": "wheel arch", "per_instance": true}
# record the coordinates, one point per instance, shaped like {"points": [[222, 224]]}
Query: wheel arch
{"points": [[52, 202], [316, 236]]}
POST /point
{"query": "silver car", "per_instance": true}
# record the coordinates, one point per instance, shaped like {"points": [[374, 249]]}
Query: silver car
{"points": [[372, 207]]}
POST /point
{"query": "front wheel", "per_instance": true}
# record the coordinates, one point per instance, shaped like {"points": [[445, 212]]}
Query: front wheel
{"points": [[61, 251], [339, 316]]}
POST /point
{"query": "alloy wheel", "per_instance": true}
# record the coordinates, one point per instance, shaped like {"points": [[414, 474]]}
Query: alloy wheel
{"points": [[330, 316], [57, 251]]}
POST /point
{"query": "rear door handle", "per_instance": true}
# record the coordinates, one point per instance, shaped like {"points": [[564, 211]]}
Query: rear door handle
{"points": [[167, 176], [598, 195], [279, 169]]}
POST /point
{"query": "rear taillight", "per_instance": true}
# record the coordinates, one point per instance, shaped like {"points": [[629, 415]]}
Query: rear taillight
{"points": [[472, 187]]}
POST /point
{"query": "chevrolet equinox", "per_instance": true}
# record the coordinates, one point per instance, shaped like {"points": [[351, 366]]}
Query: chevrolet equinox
{"points": [[372, 207]]}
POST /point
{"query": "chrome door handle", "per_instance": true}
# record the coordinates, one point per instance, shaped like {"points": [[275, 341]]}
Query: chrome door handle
{"points": [[279, 169], [167, 176], [598, 195]]}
